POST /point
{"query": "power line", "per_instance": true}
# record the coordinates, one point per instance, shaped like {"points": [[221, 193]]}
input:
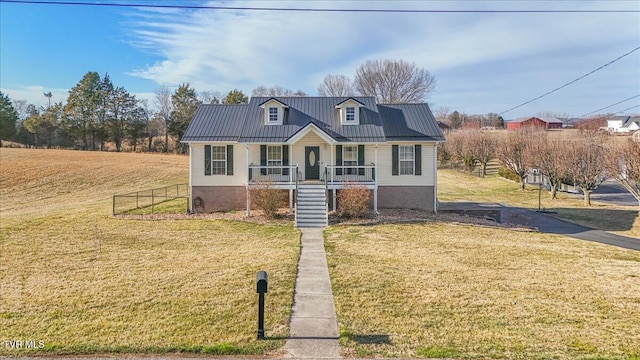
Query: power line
{"points": [[612, 105], [251, 8], [571, 82], [629, 108]]}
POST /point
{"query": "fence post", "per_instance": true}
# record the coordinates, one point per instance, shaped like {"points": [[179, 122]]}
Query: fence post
{"points": [[153, 200], [137, 195], [166, 196], [113, 206]]}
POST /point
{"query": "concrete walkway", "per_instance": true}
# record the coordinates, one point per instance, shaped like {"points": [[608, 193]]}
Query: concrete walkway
{"points": [[313, 327]]}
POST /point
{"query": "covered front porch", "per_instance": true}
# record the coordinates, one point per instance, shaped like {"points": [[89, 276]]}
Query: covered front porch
{"points": [[333, 177]]}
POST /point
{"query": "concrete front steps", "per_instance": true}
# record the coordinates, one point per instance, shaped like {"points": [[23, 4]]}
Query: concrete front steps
{"points": [[311, 206]]}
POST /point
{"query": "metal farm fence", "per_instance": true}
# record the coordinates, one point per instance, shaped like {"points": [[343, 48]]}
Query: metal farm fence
{"points": [[148, 200]]}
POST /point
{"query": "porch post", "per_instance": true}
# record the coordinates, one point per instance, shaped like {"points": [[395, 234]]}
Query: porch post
{"points": [[248, 176], [435, 179], [248, 202], [375, 181], [334, 198], [190, 195], [290, 200]]}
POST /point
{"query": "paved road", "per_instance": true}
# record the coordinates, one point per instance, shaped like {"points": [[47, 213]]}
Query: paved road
{"points": [[611, 192]]}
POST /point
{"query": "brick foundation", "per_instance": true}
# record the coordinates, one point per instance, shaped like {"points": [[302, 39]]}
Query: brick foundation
{"points": [[219, 198], [406, 197]]}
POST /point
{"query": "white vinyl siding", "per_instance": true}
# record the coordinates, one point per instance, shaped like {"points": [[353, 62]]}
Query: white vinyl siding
{"points": [[297, 152], [198, 177], [383, 172]]}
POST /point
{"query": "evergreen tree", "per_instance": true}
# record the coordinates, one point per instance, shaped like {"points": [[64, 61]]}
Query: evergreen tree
{"points": [[8, 118], [185, 102], [81, 110], [235, 96]]}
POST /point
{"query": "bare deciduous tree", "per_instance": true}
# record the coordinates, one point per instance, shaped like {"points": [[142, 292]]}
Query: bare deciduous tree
{"points": [[481, 146], [551, 158], [208, 97], [336, 85], [624, 166], [442, 114], [513, 150], [165, 106], [587, 165], [394, 81], [276, 91]]}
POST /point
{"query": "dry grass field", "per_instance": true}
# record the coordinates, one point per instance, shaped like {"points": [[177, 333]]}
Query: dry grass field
{"points": [[459, 291], [82, 281], [456, 186]]}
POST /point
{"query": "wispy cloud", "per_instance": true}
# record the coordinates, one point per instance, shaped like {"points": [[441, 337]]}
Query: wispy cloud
{"points": [[220, 50]]}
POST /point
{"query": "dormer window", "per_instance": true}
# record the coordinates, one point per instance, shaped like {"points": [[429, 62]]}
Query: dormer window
{"points": [[350, 114], [273, 114], [274, 111], [349, 111]]}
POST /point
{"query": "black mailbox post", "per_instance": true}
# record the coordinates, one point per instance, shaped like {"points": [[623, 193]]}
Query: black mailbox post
{"points": [[261, 284]]}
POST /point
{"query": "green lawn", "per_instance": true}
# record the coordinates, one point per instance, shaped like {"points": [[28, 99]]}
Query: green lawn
{"points": [[83, 281]]}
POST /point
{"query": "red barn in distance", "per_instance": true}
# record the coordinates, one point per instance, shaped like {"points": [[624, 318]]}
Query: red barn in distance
{"points": [[544, 123]]}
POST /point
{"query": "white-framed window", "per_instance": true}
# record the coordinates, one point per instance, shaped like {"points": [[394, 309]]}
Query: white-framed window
{"points": [[218, 160], [350, 158], [274, 158], [406, 159], [273, 114], [350, 114]]}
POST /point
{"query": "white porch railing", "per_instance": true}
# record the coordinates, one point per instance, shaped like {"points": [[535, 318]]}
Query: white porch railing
{"points": [[352, 173], [274, 174]]}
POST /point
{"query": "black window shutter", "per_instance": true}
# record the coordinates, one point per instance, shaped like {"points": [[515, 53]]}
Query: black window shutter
{"points": [[418, 160], [361, 159], [230, 160], [207, 159], [395, 159], [285, 159], [263, 159], [339, 159]]}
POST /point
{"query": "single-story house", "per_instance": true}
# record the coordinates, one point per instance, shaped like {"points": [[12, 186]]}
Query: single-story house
{"points": [[623, 124], [312, 147], [540, 122]]}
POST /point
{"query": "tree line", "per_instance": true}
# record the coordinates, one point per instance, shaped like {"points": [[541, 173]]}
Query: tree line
{"points": [[584, 161], [98, 112]]}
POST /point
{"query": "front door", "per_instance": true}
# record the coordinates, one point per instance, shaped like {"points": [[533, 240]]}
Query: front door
{"points": [[312, 162]]}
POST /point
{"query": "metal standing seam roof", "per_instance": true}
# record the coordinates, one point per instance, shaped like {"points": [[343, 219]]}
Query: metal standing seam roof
{"points": [[216, 123], [378, 123], [630, 120]]}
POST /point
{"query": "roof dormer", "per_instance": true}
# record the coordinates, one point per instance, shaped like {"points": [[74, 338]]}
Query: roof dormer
{"points": [[273, 111], [349, 111]]}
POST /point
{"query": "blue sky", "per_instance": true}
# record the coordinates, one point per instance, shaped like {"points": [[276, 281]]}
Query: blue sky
{"points": [[483, 62]]}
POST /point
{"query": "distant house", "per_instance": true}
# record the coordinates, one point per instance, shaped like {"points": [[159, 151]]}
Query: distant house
{"points": [[546, 123], [312, 147], [443, 126], [623, 124]]}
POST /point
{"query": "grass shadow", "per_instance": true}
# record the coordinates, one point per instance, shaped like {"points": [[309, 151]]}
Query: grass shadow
{"points": [[600, 219], [370, 339]]}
